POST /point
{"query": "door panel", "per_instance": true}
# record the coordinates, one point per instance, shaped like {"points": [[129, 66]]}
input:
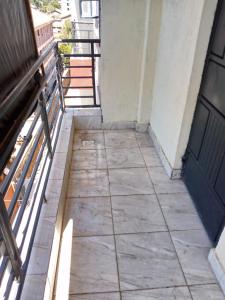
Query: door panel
{"points": [[213, 148], [200, 123], [218, 43], [220, 183], [213, 87], [204, 164]]}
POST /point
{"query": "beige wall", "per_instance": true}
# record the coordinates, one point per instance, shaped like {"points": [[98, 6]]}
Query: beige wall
{"points": [[123, 24], [180, 61], [130, 30], [149, 54]]}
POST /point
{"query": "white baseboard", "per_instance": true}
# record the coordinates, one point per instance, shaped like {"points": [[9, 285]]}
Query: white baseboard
{"points": [[142, 127], [217, 269], [118, 125]]}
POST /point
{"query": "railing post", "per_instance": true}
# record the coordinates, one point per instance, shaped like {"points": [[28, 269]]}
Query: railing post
{"points": [[59, 69], [9, 240], [93, 70], [44, 118]]}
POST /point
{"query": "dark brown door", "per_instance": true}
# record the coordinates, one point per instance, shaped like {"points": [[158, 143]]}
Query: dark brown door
{"points": [[204, 161]]}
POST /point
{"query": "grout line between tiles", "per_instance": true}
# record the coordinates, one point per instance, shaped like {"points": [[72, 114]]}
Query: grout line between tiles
{"points": [[144, 289], [114, 237], [114, 234], [169, 234], [127, 195], [131, 233], [136, 290], [119, 234]]}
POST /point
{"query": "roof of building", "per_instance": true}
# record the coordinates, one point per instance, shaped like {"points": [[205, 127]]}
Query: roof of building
{"points": [[40, 18]]}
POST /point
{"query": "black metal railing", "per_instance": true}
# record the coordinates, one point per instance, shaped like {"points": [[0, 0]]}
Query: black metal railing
{"points": [[30, 168], [81, 69]]}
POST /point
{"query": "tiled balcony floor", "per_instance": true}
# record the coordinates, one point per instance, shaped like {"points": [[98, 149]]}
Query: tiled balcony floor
{"points": [[136, 234]]}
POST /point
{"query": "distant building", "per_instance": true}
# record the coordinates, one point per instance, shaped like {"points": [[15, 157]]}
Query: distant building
{"points": [[43, 29], [66, 6], [85, 17], [59, 17]]}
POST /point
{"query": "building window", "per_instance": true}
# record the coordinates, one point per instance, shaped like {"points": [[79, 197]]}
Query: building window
{"points": [[89, 8]]}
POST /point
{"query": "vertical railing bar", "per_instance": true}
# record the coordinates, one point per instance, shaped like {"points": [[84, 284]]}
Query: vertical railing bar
{"points": [[38, 185], [10, 283], [55, 116], [13, 167], [9, 239], [23, 174], [93, 71], [62, 103], [44, 117], [28, 190], [3, 267], [59, 70]]}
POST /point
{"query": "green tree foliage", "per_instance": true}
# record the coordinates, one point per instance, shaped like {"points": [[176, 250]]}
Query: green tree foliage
{"points": [[46, 5], [66, 33]]}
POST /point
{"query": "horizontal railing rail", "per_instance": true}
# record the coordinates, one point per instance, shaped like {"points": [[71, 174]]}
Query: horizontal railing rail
{"points": [[29, 171], [84, 78], [25, 80]]}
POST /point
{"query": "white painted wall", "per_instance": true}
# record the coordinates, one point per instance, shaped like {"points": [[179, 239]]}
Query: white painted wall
{"points": [[152, 28], [130, 31], [220, 249], [123, 25], [180, 61]]}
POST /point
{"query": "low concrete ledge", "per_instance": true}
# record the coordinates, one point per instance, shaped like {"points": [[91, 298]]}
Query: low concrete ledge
{"points": [[40, 277]]}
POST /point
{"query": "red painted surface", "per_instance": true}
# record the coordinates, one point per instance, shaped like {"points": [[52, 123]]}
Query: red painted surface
{"points": [[80, 72]]}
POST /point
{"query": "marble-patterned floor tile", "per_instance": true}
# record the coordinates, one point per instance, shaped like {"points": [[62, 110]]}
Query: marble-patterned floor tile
{"points": [[88, 159], [88, 183], [180, 212], [174, 293], [124, 158], [151, 157], [137, 213], [193, 247], [147, 261], [207, 292], [88, 140], [91, 216], [163, 184], [130, 181], [144, 139], [120, 139], [93, 265], [103, 296]]}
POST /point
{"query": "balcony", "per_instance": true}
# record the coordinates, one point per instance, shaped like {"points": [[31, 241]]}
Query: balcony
{"points": [[127, 231], [97, 217]]}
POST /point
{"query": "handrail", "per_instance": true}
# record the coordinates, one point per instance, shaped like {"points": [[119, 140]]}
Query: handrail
{"points": [[87, 41], [25, 80]]}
